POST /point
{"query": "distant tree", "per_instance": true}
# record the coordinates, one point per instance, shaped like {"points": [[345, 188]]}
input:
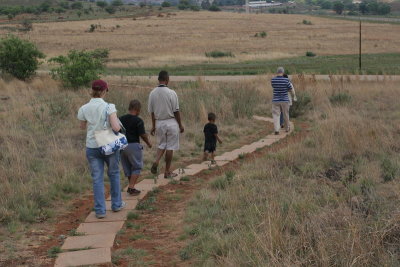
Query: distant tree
{"points": [[194, 8], [363, 7], [326, 5], [184, 4], [205, 4], [79, 13], [77, 5], [166, 4], [45, 6], [110, 9], [214, 8], [338, 7], [60, 10], [142, 4], [18, 57], [383, 9], [64, 4], [102, 4], [117, 3], [350, 7]]}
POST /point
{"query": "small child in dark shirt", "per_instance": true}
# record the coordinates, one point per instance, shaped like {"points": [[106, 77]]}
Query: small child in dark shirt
{"points": [[132, 155], [211, 137]]}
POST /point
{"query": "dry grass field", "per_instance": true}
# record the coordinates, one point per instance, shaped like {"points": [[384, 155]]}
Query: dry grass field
{"points": [[184, 37], [42, 163], [329, 200]]}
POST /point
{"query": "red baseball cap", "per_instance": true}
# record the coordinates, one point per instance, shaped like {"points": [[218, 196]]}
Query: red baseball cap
{"points": [[99, 85]]}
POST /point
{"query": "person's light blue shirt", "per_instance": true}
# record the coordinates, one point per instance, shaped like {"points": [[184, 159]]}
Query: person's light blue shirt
{"points": [[94, 113]]}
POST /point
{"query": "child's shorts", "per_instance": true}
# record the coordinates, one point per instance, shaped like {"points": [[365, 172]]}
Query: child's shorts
{"points": [[210, 147], [132, 159]]}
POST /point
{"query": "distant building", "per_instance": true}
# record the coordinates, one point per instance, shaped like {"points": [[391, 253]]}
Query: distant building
{"points": [[261, 4]]}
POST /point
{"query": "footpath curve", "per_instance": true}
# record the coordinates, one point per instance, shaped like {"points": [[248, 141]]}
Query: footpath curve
{"points": [[94, 245]]}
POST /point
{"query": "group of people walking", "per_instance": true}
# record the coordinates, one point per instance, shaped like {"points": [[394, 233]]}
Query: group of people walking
{"points": [[163, 106]]}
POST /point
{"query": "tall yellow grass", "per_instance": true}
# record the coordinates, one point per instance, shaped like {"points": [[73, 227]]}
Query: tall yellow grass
{"points": [[320, 202]]}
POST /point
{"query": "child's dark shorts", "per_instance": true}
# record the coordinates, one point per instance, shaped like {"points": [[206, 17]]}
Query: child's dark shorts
{"points": [[132, 159], [210, 147]]}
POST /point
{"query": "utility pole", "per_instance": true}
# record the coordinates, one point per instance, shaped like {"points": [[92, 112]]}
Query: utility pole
{"points": [[247, 7], [359, 51]]}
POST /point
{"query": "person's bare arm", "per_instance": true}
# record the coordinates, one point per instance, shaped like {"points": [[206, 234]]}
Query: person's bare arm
{"points": [[83, 125], [219, 139], [153, 124], [145, 138], [293, 93], [177, 115], [114, 122]]}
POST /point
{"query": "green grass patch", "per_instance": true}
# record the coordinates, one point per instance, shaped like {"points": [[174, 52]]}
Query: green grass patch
{"points": [[341, 98], [73, 232], [216, 54], [336, 64], [53, 252], [147, 204], [132, 216], [138, 236]]}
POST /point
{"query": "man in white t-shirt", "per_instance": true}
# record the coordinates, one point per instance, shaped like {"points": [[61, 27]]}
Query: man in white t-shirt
{"points": [[166, 122]]}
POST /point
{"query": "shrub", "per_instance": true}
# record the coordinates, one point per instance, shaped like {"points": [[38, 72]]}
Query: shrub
{"points": [[195, 8], [216, 54], [310, 54], [302, 104], [60, 10], [102, 4], [205, 4], [166, 4], [18, 57], [92, 28], [307, 22], [338, 7], [79, 68], [340, 98], [214, 8], [64, 5], [26, 25], [263, 34], [389, 169], [77, 5], [117, 3], [110, 9]]}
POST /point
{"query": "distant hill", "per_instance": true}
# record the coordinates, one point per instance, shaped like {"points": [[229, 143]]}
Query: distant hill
{"points": [[21, 2]]}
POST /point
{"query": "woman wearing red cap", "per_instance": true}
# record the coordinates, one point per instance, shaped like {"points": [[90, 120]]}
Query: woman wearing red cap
{"points": [[92, 116]]}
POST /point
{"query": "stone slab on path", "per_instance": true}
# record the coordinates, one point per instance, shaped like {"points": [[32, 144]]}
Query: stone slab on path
{"points": [[221, 163], [84, 257], [89, 241], [110, 216], [130, 203], [97, 228]]}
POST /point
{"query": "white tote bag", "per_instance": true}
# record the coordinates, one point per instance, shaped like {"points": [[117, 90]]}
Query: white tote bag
{"points": [[108, 140]]}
